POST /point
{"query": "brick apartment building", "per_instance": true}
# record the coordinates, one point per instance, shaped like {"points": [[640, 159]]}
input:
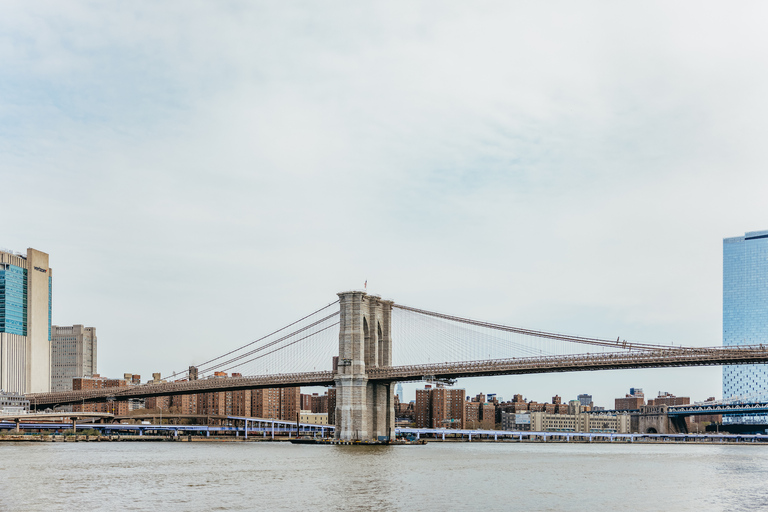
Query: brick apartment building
{"points": [[99, 382], [440, 408], [633, 400], [669, 399]]}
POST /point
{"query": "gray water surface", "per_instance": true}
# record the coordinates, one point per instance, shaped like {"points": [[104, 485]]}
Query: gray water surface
{"points": [[435, 477]]}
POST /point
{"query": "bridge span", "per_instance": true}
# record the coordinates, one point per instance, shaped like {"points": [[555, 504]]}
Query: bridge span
{"points": [[676, 357], [365, 371]]}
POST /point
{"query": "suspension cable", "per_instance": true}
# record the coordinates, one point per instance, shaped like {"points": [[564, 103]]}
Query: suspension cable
{"points": [[539, 334], [272, 343], [256, 341]]}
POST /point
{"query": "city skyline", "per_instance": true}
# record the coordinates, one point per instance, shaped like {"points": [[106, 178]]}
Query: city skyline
{"points": [[199, 191], [535, 393]]}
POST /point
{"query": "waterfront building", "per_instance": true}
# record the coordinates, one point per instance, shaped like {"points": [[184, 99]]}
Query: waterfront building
{"points": [[184, 404], [217, 403], [472, 414], [73, 354], [158, 403], [118, 408], [241, 402], [440, 408], [315, 418], [315, 402], [265, 403], [290, 403], [515, 421], [25, 322], [422, 407], [319, 403], [447, 408], [135, 404], [276, 403], [579, 422], [13, 403], [399, 392], [745, 315]]}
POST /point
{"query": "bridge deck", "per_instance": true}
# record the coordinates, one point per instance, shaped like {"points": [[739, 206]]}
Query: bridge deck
{"points": [[673, 357]]}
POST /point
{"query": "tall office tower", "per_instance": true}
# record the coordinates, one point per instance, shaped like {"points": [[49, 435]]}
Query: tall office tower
{"points": [[73, 355], [745, 313], [25, 322], [399, 392]]}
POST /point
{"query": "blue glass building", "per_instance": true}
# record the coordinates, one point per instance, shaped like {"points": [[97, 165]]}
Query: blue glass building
{"points": [[13, 299], [25, 322], [745, 314]]}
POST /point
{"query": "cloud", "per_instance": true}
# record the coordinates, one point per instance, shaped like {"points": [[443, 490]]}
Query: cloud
{"points": [[201, 172]]}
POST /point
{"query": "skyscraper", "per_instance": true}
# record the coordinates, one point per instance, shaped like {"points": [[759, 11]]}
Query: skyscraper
{"points": [[745, 310], [73, 355], [399, 392], [25, 322]]}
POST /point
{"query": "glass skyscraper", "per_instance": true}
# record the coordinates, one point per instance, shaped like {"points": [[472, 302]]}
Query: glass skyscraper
{"points": [[25, 322], [745, 314]]}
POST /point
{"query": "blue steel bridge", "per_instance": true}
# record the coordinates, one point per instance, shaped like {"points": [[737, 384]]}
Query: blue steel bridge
{"points": [[706, 409], [376, 343]]}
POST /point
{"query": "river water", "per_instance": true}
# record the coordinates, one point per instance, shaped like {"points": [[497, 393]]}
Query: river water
{"points": [[438, 476]]}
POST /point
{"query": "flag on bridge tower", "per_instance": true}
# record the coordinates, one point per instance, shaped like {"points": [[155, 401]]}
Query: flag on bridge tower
{"points": [[366, 284]]}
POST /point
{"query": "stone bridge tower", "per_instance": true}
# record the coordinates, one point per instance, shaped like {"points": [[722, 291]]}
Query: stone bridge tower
{"points": [[654, 419], [364, 410]]}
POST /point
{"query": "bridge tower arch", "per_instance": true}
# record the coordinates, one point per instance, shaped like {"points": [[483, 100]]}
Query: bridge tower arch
{"points": [[364, 410]]}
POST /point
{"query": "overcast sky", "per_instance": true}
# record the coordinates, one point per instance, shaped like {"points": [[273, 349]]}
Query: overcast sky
{"points": [[202, 173]]}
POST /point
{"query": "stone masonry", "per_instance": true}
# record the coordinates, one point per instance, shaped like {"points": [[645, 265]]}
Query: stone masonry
{"points": [[364, 410]]}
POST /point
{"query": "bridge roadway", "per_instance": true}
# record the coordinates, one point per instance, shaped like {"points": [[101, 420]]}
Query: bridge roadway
{"points": [[661, 358]]}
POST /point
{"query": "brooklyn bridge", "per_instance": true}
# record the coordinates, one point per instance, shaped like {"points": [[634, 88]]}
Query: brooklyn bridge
{"points": [[362, 345]]}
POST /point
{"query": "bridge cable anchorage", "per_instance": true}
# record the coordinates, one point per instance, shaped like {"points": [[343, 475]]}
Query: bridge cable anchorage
{"points": [[253, 342], [622, 345]]}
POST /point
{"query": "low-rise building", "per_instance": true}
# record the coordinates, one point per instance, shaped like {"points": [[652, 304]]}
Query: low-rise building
{"points": [[314, 418], [580, 422], [13, 403], [515, 420]]}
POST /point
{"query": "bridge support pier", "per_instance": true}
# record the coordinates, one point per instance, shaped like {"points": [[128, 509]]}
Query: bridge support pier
{"points": [[654, 419], [365, 410]]}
